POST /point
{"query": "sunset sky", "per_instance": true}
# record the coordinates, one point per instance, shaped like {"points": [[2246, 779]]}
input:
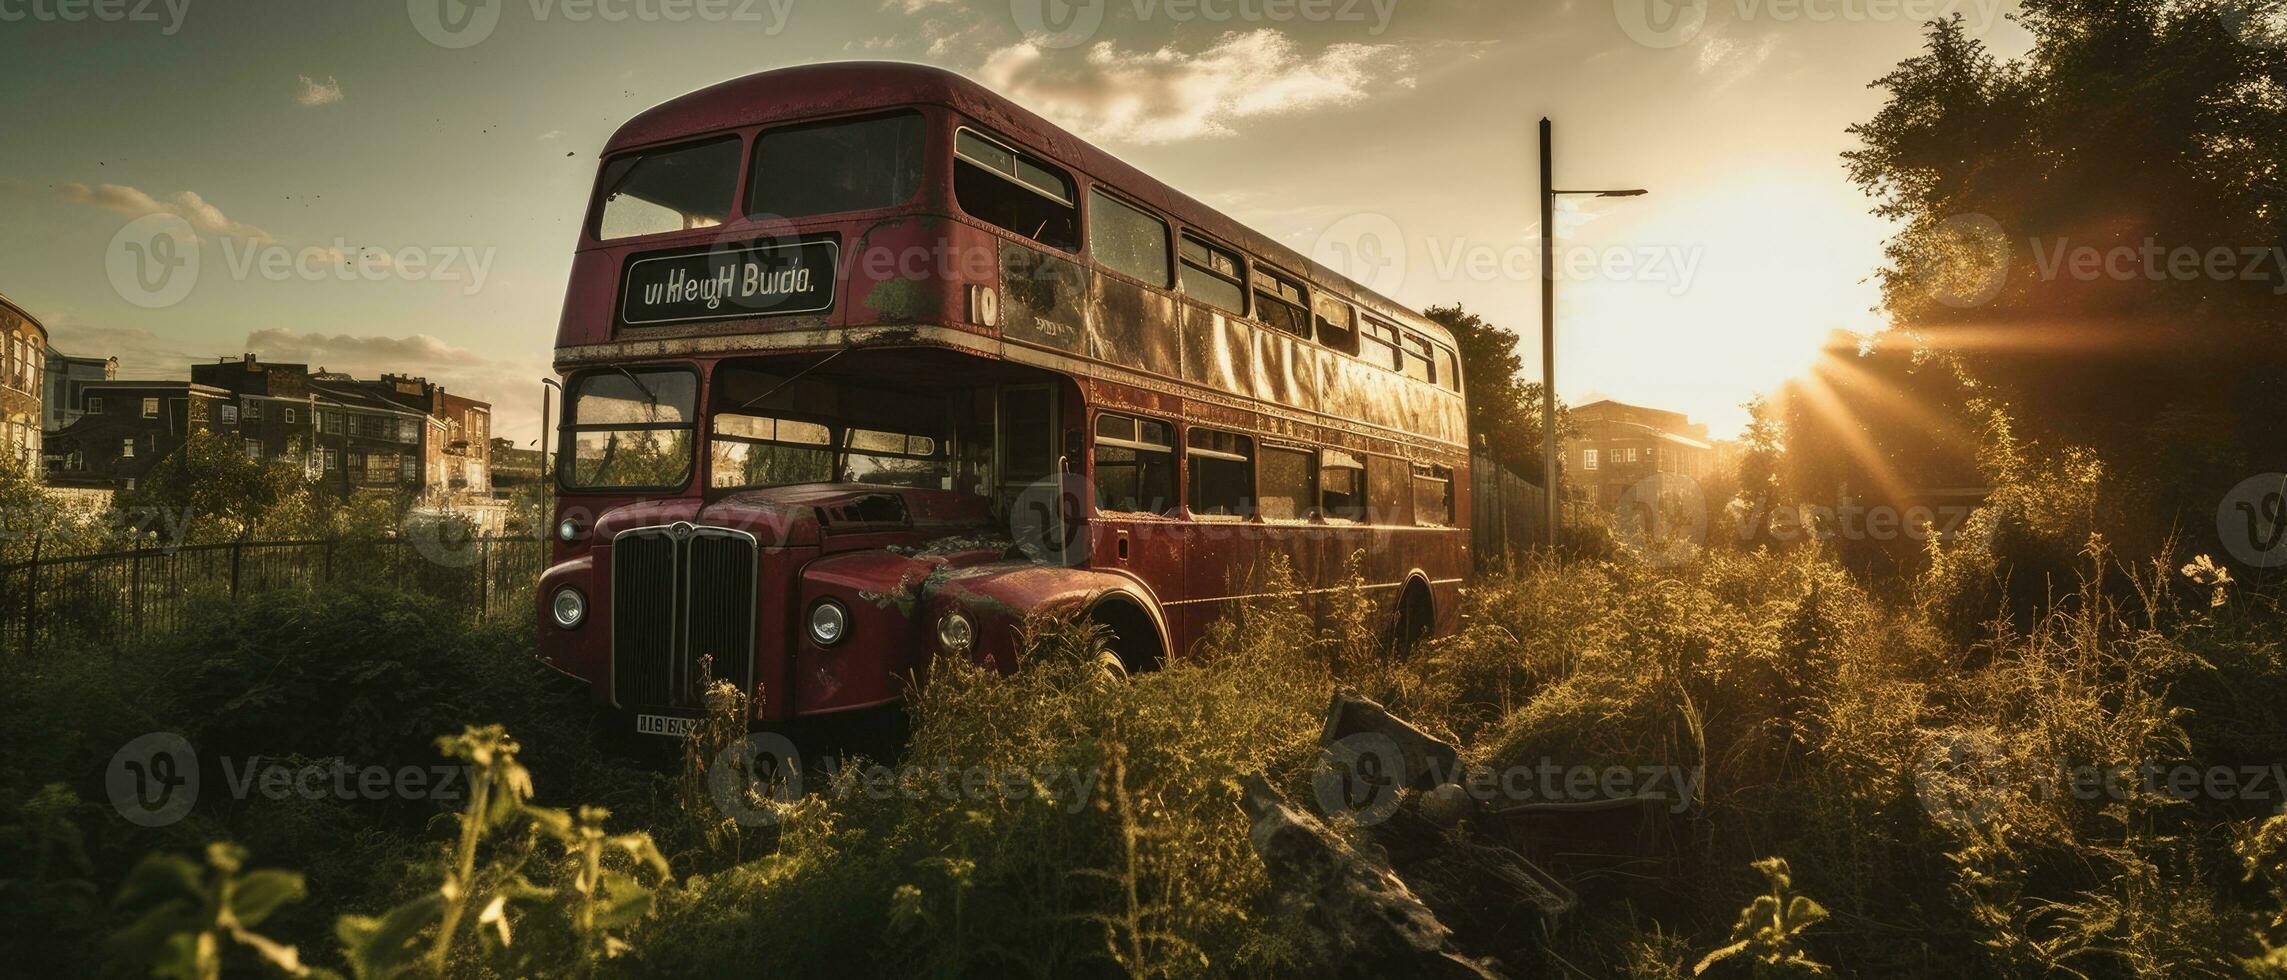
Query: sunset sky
{"points": [[292, 125]]}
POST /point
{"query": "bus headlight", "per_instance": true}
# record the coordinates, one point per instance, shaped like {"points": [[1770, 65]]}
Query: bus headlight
{"points": [[569, 530], [956, 633], [829, 623], [569, 608]]}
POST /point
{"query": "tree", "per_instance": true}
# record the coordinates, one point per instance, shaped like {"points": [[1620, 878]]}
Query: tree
{"points": [[220, 492], [2091, 234], [1504, 408], [27, 513]]}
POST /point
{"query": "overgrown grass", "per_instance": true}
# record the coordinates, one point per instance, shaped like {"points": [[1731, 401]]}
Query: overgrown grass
{"points": [[1916, 783]]}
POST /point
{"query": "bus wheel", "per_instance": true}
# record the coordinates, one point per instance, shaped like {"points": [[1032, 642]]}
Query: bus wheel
{"points": [[1129, 644], [1415, 620]]}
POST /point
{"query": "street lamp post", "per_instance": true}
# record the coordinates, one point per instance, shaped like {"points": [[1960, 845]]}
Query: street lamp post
{"points": [[1548, 324]]}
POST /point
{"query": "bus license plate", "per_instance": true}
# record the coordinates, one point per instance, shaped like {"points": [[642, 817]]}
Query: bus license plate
{"points": [[668, 725]]}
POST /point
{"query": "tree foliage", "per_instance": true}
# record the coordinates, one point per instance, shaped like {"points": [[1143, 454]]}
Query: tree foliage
{"points": [[1504, 408], [2148, 135]]}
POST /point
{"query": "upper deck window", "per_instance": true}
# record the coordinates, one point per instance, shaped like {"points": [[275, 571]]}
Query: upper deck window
{"points": [[1415, 364], [1212, 274], [1378, 345], [1337, 324], [836, 166], [1128, 240], [1012, 190], [671, 189], [1448, 372], [1279, 302]]}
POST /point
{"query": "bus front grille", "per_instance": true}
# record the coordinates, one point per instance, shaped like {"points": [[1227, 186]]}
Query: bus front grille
{"points": [[680, 594]]}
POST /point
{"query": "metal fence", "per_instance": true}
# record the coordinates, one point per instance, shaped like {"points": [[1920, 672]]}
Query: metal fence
{"points": [[113, 599], [1508, 512]]}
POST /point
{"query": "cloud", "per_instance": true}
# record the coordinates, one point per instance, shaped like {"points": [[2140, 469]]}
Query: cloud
{"points": [[1168, 95], [314, 93], [187, 205], [142, 354], [513, 388]]}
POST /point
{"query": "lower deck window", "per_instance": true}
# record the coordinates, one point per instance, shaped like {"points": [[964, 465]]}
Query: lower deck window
{"points": [[1289, 484], [1432, 495], [1222, 473], [1342, 486], [1135, 465]]}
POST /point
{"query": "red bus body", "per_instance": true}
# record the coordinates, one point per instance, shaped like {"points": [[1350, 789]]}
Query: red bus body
{"points": [[1047, 357]]}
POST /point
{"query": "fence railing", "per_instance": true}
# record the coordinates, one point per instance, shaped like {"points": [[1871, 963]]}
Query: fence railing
{"points": [[116, 598]]}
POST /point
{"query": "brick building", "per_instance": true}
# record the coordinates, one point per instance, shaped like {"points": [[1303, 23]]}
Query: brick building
{"points": [[397, 435], [1618, 445], [23, 366]]}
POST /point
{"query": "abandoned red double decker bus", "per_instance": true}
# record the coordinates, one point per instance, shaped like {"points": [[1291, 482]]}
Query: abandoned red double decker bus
{"points": [[863, 363]]}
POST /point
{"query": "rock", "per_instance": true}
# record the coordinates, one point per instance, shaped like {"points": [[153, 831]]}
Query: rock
{"points": [[1364, 919]]}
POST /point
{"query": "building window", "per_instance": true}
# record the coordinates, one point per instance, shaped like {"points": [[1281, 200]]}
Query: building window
{"points": [[412, 469], [94, 405], [230, 414], [150, 408], [289, 416], [1588, 459], [126, 449], [1289, 484], [1128, 240], [1222, 473], [1341, 486], [1135, 465], [1212, 275], [253, 449], [253, 411]]}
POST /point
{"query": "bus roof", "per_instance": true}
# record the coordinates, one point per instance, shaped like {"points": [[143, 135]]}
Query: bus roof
{"points": [[850, 86]]}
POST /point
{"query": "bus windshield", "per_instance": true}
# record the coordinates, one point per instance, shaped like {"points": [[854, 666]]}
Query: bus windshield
{"points": [[767, 431], [629, 428]]}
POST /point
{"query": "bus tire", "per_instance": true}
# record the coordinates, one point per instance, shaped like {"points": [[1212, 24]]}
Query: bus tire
{"points": [[1131, 640], [1417, 617]]}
